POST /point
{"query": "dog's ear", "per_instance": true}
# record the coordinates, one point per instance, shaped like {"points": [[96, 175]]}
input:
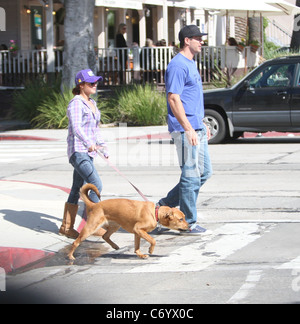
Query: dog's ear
{"points": [[169, 215], [178, 213]]}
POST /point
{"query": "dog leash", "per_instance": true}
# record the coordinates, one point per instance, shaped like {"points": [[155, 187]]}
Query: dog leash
{"points": [[121, 174]]}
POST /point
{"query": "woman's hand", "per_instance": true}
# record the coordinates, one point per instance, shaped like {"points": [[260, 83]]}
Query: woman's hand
{"points": [[92, 148]]}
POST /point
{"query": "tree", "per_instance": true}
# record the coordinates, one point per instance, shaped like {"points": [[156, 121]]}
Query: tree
{"points": [[79, 50], [295, 42], [254, 29]]}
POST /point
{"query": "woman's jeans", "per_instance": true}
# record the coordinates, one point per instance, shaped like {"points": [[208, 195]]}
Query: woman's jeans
{"points": [[195, 170], [84, 171]]}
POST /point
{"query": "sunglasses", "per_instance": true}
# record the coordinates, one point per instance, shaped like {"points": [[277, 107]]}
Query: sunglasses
{"points": [[199, 39], [92, 84]]}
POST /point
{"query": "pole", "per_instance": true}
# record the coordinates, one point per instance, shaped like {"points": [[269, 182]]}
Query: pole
{"points": [[166, 21], [50, 42]]}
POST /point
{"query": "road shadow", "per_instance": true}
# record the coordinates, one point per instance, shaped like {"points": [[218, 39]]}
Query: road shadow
{"points": [[38, 222]]}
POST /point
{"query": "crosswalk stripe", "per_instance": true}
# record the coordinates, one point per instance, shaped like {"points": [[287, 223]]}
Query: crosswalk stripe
{"points": [[20, 150], [201, 254], [8, 160]]}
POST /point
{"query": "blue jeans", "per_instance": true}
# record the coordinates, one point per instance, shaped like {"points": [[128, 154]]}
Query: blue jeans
{"points": [[196, 168], [84, 171]]}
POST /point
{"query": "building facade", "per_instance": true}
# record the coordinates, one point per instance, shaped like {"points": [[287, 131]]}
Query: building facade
{"points": [[27, 21]]}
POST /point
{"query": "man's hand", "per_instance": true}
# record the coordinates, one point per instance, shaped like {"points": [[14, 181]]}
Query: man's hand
{"points": [[208, 132], [192, 137], [179, 112]]}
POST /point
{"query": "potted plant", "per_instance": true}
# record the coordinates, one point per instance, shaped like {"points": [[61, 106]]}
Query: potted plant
{"points": [[254, 46], [13, 47], [241, 45]]}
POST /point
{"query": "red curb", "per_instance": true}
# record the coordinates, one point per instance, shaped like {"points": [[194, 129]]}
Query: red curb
{"points": [[161, 136], [24, 138], [269, 134], [13, 258], [67, 190]]}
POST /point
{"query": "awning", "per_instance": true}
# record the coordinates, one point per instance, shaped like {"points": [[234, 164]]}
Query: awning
{"points": [[126, 4], [253, 8], [188, 4], [286, 7]]}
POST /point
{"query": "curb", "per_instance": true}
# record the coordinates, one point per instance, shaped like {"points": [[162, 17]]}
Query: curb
{"points": [[24, 138]]}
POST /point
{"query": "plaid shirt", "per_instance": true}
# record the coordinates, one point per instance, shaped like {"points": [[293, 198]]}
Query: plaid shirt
{"points": [[83, 128]]}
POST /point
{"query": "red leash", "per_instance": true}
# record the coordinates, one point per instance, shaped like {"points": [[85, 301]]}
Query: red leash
{"points": [[122, 175]]}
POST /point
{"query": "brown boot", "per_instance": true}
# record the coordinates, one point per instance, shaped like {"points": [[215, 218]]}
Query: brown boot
{"points": [[66, 228]]}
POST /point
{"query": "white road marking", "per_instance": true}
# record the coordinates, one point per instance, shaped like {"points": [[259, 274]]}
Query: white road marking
{"points": [[22, 150], [201, 254], [293, 264], [251, 281]]}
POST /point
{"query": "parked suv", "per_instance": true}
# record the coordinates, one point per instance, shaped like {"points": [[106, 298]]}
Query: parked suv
{"points": [[267, 99]]}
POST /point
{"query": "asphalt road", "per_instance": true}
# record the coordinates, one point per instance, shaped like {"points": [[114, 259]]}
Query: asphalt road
{"points": [[251, 206]]}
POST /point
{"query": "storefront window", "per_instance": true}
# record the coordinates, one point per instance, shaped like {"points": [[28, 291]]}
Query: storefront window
{"points": [[111, 18], [37, 27]]}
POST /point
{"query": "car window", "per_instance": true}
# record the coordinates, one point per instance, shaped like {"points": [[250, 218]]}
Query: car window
{"points": [[298, 78], [278, 75]]}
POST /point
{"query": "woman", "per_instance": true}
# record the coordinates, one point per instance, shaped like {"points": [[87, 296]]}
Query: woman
{"points": [[120, 39], [83, 140]]}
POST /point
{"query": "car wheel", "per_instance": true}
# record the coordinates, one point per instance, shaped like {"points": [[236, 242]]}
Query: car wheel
{"points": [[216, 124]]}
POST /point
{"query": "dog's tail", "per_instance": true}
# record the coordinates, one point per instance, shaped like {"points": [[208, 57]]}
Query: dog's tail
{"points": [[84, 193]]}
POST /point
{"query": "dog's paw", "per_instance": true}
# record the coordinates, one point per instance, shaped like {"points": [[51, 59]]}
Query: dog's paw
{"points": [[151, 249], [115, 246], [71, 257], [143, 256]]}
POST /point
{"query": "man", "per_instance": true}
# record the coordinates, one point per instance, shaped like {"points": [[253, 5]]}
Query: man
{"points": [[120, 44], [185, 114]]}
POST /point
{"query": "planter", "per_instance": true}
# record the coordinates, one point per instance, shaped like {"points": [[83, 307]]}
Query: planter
{"points": [[240, 48], [14, 53], [254, 48]]}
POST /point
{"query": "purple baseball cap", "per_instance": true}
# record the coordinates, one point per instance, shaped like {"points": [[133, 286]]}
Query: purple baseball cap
{"points": [[86, 75]]}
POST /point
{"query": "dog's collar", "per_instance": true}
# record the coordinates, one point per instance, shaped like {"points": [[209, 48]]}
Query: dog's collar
{"points": [[156, 212]]}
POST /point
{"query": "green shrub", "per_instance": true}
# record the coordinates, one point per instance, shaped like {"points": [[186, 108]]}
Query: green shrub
{"points": [[141, 106], [45, 106], [52, 111], [25, 102], [109, 113]]}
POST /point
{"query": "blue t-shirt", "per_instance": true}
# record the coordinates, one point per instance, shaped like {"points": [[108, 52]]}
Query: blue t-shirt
{"points": [[183, 78]]}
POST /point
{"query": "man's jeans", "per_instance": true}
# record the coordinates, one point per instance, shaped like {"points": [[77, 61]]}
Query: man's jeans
{"points": [[84, 171], [195, 170]]}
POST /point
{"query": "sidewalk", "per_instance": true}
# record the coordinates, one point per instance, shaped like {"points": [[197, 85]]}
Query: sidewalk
{"points": [[31, 213], [29, 223]]}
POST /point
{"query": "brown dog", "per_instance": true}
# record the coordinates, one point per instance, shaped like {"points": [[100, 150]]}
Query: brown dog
{"points": [[135, 217]]}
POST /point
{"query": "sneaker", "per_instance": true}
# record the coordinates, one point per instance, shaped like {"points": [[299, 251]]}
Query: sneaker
{"points": [[194, 230]]}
